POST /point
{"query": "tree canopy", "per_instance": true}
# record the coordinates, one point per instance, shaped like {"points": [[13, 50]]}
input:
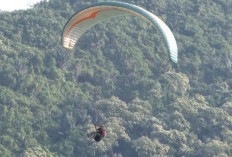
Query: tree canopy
{"points": [[118, 75]]}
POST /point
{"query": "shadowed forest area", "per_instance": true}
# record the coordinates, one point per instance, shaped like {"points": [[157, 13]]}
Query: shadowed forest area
{"points": [[119, 74]]}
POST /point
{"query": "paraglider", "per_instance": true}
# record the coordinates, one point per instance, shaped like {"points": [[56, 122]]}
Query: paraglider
{"points": [[98, 134], [83, 20]]}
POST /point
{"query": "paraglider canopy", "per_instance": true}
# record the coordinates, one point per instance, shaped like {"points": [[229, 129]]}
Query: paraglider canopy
{"points": [[94, 14]]}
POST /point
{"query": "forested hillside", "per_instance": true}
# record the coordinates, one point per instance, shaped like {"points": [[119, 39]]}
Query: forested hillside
{"points": [[119, 75]]}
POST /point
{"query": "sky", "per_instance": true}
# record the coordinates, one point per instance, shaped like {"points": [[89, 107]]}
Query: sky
{"points": [[10, 5]]}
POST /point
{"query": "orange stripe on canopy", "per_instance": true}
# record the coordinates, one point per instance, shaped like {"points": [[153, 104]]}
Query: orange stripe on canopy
{"points": [[93, 15]]}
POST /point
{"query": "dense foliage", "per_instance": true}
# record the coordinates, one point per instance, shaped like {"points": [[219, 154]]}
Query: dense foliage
{"points": [[119, 75]]}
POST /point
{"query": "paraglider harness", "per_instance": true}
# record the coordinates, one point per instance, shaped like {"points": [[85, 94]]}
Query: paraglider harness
{"points": [[98, 134]]}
